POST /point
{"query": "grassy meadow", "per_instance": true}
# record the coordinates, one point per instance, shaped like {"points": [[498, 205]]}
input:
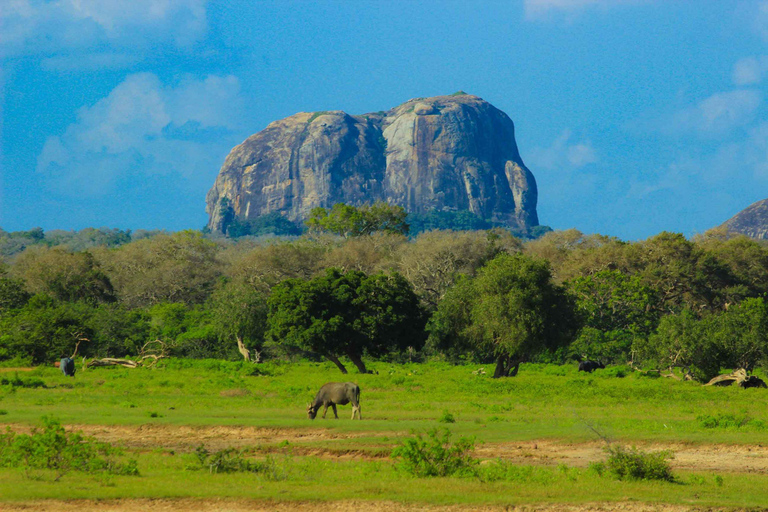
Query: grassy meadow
{"points": [[544, 403]]}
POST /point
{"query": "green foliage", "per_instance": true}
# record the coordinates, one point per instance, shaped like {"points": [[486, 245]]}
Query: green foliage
{"points": [[510, 311], [351, 221], [12, 293], [269, 224], [741, 334], [239, 312], [683, 341], [54, 450], [633, 464], [447, 417], [462, 220], [317, 114], [436, 455], [731, 421], [346, 313], [614, 309], [231, 460]]}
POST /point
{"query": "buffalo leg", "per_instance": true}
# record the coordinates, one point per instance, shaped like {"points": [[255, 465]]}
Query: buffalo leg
{"points": [[356, 410], [325, 410], [334, 411]]}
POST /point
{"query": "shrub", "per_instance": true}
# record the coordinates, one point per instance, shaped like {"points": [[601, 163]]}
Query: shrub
{"points": [[231, 460], [435, 455], [447, 417], [730, 421], [633, 464], [53, 449]]}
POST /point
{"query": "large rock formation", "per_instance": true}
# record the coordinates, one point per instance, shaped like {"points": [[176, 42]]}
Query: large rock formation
{"points": [[446, 153], [751, 221]]}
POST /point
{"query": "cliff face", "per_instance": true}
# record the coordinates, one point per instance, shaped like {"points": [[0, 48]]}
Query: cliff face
{"points": [[751, 221], [444, 153]]}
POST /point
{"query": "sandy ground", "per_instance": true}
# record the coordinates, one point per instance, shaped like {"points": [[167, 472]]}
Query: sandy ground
{"points": [[166, 505], [728, 458]]}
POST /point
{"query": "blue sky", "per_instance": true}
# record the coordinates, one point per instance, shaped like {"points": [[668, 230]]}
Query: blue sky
{"points": [[635, 116]]}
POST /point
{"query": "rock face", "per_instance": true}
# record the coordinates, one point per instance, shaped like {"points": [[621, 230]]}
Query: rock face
{"points": [[442, 153], [751, 221]]}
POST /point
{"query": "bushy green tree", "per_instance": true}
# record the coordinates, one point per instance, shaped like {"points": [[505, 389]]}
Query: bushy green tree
{"points": [[346, 220], [683, 341], [511, 310], [615, 309], [741, 334], [239, 313], [64, 275], [348, 314]]}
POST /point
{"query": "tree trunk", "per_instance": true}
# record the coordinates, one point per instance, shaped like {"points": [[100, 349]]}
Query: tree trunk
{"points": [[501, 367], [358, 362], [506, 367], [241, 348], [336, 362]]}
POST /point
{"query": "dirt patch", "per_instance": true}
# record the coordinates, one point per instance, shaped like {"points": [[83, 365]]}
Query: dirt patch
{"points": [[10, 370], [168, 505], [185, 438], [728, 458], [724, 458]]}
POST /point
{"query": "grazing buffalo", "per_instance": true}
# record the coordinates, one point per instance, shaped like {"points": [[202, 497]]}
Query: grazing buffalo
{"points": [[590, 366], [67, 366], [333, 394]]}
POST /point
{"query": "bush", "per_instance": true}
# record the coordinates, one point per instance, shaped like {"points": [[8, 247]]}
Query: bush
{"points": [[435, 455], [231, 460], [447, 417], [633, 464], [730, 421], [53, 449]]}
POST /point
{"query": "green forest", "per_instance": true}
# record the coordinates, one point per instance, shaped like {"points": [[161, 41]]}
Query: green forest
{"points": [[358, 285]]}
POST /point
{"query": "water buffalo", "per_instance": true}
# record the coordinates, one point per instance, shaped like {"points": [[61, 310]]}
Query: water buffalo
{"points": [[333, 394], [590, 366], [67, 366]]}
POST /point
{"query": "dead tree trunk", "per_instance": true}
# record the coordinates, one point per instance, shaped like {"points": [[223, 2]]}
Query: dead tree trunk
{"points": [[242, 349]]}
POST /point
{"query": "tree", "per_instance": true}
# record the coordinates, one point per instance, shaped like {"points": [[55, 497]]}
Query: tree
{"points": [[12, 292], [511, 310], [240, 313], [349, 221], [683, 341], [434, 260], [346, 314], [741, 334], [166, 268], [615, 309], [65, 275]]}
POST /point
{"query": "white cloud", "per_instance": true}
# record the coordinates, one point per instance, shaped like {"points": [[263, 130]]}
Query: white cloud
{"points": [[146, 128], [537, 9], [563, 154], [750, 70], [717, 114], [41, 27]]}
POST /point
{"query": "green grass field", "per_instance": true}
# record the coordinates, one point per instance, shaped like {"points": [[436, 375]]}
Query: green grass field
{"points": [[161, 414]]}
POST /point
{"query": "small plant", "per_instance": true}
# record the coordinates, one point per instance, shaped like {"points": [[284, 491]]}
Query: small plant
{"points": [[3, 412], [730, 421], [718, 480], [231, 460], [60, 452], [633, 464], [447, 417], [435, 455], [154, 414]]}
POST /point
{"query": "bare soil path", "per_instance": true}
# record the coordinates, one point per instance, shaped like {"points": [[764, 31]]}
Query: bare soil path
{"points": [[173, 505], [699, 457]]}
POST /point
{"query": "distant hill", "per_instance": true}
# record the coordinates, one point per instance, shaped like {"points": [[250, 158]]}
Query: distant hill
{"points": [[440, 154], [751, 221]]}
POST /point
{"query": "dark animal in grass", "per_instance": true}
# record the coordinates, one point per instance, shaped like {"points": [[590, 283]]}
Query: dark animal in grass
{"points": [[590, 366], [333, 394], [67, 366]]}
